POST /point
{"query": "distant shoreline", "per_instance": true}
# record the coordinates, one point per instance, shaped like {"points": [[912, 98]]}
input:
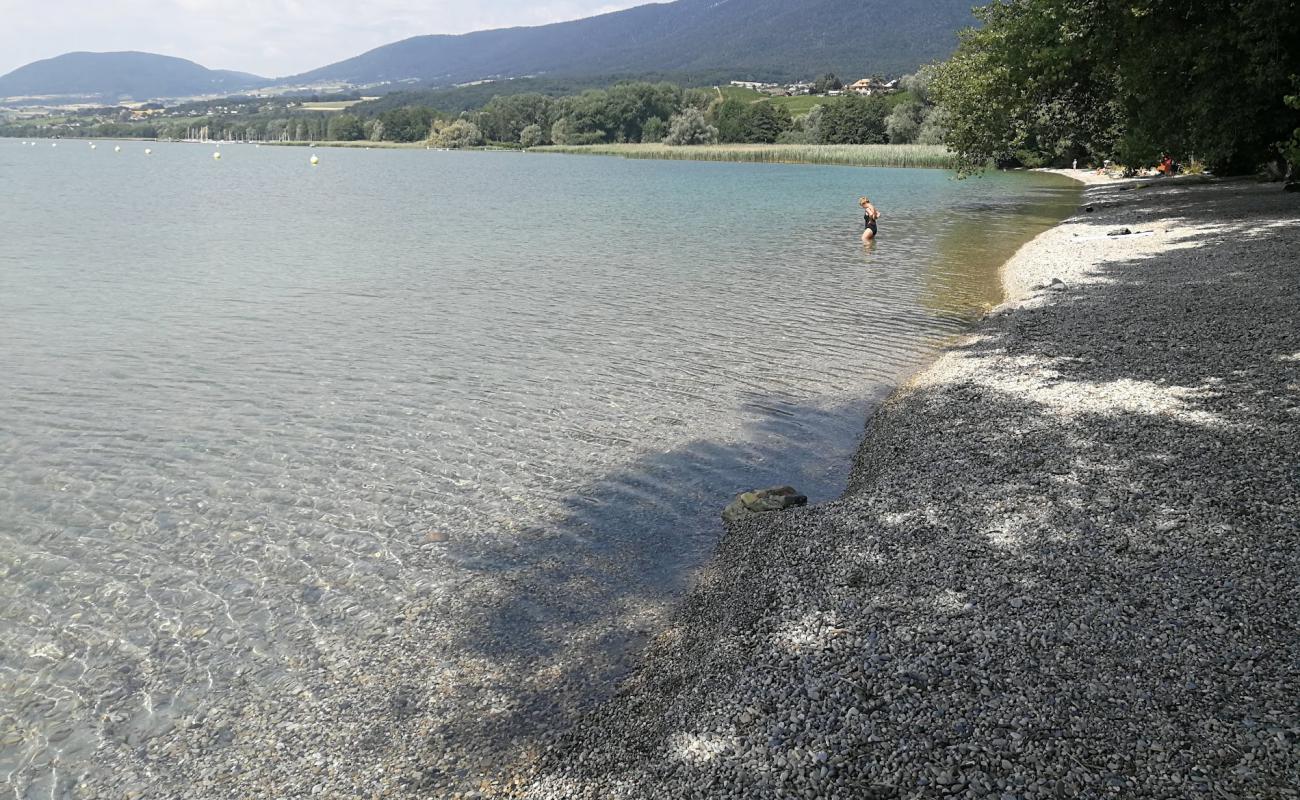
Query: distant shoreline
{"points": [[915, 156], [909, 156]]}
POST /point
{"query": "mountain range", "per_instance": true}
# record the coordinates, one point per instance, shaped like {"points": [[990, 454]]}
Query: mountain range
{"points": [[752, 39]]}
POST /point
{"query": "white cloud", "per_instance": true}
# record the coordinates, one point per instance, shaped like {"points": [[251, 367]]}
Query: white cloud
{"points": [[267, 37]]}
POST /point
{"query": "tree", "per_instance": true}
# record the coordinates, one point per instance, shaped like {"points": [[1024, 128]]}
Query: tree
{"points": [[581, 118], [1052, 80], [1214, 87], [344, 128], [560, 131], [690, 127], [566, 132], [504, 117], [855, 120], [934, 126], [918, 84], [730, 119], [767, 121], [812, 123], [903, 125], [653, 131], [532, 136], [618, 114], [738, 121], [277, 130], [696, 98], [1291, 148], [1024, 88], [827, 83], [457, 134], [407, 124], [628, 105]]}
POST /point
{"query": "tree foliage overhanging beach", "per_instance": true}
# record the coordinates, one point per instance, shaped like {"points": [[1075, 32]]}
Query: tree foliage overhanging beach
{"points": [[1048, 81]]}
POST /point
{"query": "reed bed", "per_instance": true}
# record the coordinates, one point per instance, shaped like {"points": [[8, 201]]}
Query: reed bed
{"points": [[360, 143], [851, 155]]}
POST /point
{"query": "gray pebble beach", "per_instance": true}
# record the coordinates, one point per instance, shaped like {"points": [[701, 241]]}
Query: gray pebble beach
{"points": [[1065, 565]]}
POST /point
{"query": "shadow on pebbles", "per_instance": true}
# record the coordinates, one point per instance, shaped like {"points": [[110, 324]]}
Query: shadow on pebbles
{"points": [[1066, 564]]}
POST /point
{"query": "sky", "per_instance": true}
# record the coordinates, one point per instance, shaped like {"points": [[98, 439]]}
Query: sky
{"points": [[272, 38]]}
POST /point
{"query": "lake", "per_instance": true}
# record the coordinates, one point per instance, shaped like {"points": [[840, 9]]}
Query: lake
{"points": [[394, 460]]}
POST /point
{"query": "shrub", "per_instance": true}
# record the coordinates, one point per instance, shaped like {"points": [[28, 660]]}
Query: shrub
{"points": [[796, 136]]}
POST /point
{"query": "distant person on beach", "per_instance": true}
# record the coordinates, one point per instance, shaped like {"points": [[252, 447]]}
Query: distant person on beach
{"points": [[870, 215]]}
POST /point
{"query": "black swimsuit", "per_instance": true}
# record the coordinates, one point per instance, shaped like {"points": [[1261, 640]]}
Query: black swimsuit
{"points": [[871, 223]]}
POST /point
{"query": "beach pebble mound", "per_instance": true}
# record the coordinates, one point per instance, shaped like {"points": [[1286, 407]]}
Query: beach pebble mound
{"points": [[1067, 564]]}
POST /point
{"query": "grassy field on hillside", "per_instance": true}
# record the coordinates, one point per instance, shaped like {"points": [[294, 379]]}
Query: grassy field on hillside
{"points": [[333, 105], [798, 106], [852, 155]]}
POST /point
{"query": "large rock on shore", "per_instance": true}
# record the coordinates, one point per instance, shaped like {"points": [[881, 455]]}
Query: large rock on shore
{"points": [[763, 501]]}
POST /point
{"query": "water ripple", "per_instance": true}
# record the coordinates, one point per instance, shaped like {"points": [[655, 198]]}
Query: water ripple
{"points": [[239, 400]]}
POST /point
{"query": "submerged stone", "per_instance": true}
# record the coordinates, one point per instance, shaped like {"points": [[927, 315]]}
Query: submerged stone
{"points": [[762, 501]]}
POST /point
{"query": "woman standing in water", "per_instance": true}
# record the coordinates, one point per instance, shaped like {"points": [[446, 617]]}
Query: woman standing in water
{"points": [[870, 215]]}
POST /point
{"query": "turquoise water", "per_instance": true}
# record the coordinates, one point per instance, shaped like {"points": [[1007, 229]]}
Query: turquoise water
{"points": [[253, 411]]}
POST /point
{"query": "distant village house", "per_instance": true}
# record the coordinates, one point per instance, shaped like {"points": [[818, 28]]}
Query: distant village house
{"points": [[870, 86], [865, 87]]}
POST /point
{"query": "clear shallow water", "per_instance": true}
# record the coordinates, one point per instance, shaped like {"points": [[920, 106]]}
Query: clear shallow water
{"points": [[238, 397]]}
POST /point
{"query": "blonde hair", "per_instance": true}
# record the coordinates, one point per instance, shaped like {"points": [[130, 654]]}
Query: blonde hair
{"points": [[862, 201]]}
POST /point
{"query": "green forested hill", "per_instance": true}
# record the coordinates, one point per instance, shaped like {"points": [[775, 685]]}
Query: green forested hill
{"points": [[757, 39], [113, 76]]}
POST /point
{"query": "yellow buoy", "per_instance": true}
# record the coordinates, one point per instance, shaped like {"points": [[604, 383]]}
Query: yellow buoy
{"points": [[148, 151], [314, 161], [117, 149], [92, 145], [217, 155]]}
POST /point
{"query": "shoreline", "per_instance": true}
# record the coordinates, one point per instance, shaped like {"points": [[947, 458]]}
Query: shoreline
{"points": [[1064, 564]]}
